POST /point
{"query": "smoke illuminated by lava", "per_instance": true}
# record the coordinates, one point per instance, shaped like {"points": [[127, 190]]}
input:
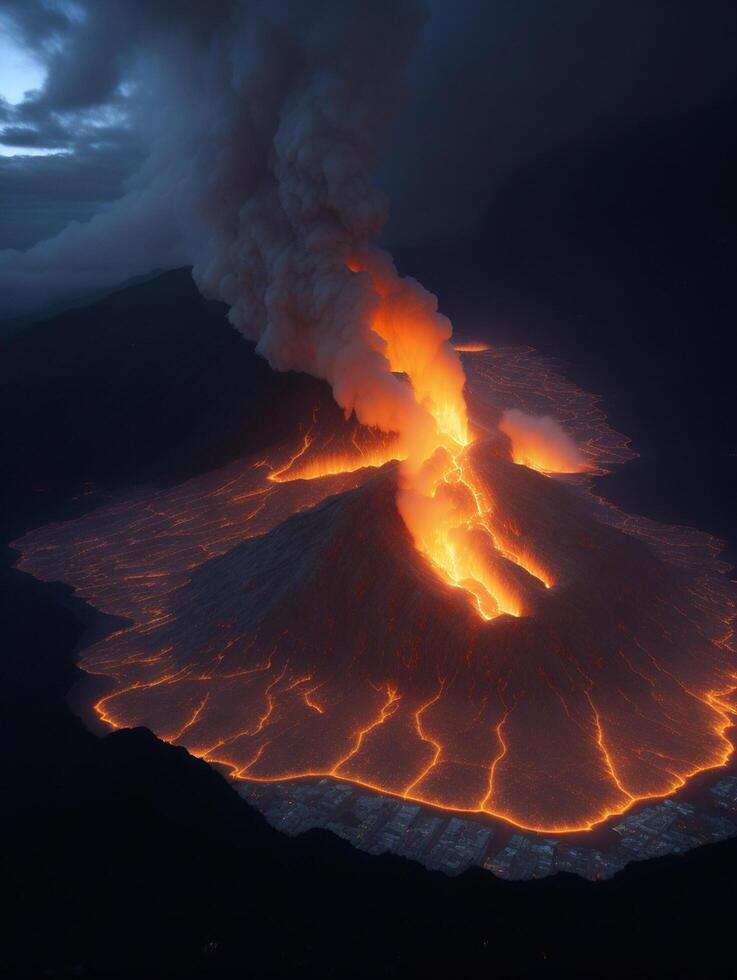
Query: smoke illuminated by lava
{"points": [[283, 623], [441, 501], [541, 443]]}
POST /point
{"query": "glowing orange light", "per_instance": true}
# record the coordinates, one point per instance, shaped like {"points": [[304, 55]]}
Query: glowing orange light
{"points": [[541, 444], [458, 721], [471, 348], [439, 499]]}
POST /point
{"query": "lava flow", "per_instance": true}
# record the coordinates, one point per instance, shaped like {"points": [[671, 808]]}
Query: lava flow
{"points": [[445, 508], [456, 628]]}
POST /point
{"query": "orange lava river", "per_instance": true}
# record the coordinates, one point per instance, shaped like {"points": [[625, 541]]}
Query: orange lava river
{"points": [[555, 664]]}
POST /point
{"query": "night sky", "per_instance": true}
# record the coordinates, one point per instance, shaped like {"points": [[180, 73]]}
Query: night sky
{"points": [[495, 86]]}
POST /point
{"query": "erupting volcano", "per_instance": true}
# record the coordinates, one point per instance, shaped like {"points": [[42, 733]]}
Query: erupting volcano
{"points": [[461, 630], [421, 595]]}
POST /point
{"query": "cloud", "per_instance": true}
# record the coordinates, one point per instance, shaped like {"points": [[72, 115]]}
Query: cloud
{"points": [[496, 85], [90, 214], [541, 443], [42, 195]]}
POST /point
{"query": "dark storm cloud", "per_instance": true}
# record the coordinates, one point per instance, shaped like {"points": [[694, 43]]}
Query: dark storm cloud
{"points": [[89, 50], [41, 194], [496, 85], [56, 136], [88, 47], [91, 112], [52, 137]]}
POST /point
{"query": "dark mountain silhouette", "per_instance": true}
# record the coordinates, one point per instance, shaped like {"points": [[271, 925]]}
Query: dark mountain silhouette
{"points": [[149, 385]]}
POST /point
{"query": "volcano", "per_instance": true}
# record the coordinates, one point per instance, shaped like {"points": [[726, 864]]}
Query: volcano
{"points": [[283, 622]]}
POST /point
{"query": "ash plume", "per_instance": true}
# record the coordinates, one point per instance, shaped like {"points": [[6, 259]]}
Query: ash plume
{"points": [[264, 124]]}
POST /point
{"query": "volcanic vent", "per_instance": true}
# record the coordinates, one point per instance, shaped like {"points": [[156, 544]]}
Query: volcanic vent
{"points": [[285, 622]]}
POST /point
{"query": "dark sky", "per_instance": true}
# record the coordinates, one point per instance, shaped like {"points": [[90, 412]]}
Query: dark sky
{"points": [[503, 82], [495, 84]]}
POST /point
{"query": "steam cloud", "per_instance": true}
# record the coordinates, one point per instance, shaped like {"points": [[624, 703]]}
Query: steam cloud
{"points": [[541, 442]]}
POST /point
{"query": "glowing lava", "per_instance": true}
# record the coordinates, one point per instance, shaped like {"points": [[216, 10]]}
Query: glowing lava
{"points": [[446, 510], [283, 627], [334, 456], [471, 348]]}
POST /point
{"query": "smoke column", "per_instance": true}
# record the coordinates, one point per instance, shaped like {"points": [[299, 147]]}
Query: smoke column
{"points": [[289, 240], [289, 245], [265, 124], [289, 224]]}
